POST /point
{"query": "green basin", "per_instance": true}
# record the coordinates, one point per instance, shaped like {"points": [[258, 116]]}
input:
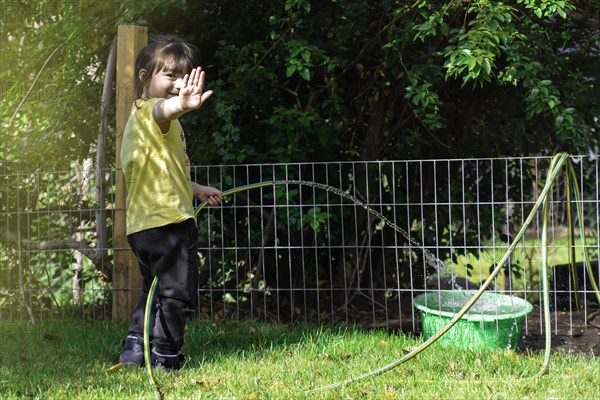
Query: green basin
{"points": [[495, 321]]}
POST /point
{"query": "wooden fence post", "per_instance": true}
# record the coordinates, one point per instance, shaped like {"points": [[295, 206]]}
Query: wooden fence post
{"points": [[127, 281]]}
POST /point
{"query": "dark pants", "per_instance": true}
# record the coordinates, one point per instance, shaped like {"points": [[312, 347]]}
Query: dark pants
{"points": [[171, 253]]}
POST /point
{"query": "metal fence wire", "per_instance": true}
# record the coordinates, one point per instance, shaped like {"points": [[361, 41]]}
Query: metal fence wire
{"points": [[335, 242]]}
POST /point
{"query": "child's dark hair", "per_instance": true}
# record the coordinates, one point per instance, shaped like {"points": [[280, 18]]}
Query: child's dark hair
{"points": [[163, 52]]}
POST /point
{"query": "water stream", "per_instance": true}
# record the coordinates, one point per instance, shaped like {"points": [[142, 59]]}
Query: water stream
{"points": [[430, 258]]}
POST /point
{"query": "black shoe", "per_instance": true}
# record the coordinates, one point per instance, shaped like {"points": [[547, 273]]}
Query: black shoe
{"points": [[168, 362], [132, 354]]}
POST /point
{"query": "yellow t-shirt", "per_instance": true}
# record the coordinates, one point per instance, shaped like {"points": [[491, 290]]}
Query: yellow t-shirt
{"points": [[157, 171]]}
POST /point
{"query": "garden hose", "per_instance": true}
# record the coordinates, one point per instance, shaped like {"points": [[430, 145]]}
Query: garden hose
{"points": [[558, 162], [237, 190], [588, 265], [147, 324], [152, 291]]}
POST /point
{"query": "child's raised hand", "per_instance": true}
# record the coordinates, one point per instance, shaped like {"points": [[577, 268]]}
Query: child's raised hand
{"points": [[191, 94]]}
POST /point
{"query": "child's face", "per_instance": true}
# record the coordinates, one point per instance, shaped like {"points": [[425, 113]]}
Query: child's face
{"points": [[163, 84]]}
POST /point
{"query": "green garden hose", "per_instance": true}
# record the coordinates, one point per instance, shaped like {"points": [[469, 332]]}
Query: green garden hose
{"points": [[237, 190], [147, 324], [558, 162], [152, 291]]}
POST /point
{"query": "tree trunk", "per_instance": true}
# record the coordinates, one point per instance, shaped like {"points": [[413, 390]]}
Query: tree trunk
{"points": [[105, 103], [83, 175], [361, 234]]}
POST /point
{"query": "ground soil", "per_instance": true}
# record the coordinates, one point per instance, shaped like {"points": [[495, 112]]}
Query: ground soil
{"points": [[569, 332]]}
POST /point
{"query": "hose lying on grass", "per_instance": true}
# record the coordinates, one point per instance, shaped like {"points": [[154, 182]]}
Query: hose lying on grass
{"points": [[147, 324], [558, 162]]}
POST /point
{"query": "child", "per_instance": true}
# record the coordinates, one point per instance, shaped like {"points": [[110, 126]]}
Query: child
{"points": [[160, 216]]}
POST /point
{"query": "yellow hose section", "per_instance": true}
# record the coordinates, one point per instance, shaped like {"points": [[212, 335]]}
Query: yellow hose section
{"points": [[147, 314], [571, 230], [586, 255], [545, 289], [236, 190]]}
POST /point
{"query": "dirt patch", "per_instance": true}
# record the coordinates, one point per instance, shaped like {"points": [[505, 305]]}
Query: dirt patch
{"points": [[569, 332]]}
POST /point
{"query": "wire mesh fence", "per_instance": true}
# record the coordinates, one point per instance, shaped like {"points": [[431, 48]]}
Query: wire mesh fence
{"points": [[55, 257], [337, 242]]}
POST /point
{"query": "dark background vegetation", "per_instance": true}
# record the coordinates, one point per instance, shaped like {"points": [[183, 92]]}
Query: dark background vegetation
{"points": [[301, 80], [305, 81]]}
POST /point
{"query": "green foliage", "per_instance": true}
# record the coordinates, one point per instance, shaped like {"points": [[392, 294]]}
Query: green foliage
{"points": [[454, 70], [541, 98], [315, 218], [45, 220], [299, 59], [302, 81], [53, 59], [473, 49], [548, 8], [427, 103], [53, 55], [358, 73]]}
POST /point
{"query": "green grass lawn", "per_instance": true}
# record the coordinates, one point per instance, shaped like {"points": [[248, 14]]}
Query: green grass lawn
{"points": [[247, 360]]}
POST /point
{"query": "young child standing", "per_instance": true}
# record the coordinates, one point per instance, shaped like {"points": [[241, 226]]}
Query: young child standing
{"points": [[161, 229]]}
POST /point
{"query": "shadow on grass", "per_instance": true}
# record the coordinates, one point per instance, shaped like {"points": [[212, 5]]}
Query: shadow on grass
{"points": [[56, 356]]}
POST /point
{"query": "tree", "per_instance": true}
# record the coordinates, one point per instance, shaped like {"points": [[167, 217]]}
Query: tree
{"points": [[348, 80], [318, 81], [328, 80], [389, 79], [53, 57]]}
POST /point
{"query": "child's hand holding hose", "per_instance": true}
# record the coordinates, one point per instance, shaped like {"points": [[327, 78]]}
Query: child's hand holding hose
{"points": [[213, 196]]}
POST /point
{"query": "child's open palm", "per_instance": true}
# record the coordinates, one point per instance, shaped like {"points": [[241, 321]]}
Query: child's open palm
{"points": [[191, 94]]}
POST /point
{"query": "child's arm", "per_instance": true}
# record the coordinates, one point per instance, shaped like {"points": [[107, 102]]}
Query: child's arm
{"points": [[212, 195], [191, 97]]}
